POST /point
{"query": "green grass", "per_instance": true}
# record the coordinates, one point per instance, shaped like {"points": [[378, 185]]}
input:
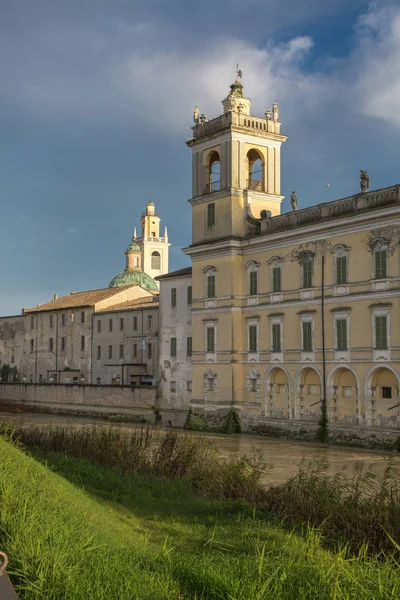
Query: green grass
{"points": [[77, 530]]}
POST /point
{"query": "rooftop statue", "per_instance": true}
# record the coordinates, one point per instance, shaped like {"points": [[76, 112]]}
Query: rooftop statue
{"points": [[275, 111], [196, 115], [364, 180], [294, 201], [268, 114]]}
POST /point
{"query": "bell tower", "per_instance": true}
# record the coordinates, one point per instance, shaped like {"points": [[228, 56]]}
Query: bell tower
{"points": [[154, 248], [236, 168]]}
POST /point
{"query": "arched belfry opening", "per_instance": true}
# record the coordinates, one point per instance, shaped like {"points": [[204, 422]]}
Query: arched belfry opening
{"points": [[156, 260], [255, 171], [214, 170]]}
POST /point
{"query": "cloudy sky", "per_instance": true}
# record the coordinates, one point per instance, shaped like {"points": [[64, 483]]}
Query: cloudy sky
{"points": [[96, 102]]}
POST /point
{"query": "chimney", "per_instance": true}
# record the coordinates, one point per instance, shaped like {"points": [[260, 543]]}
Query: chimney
{"points": [[55, 297]]}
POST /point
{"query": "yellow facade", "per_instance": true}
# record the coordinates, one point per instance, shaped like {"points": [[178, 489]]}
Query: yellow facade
{"points": [[266, 285]]}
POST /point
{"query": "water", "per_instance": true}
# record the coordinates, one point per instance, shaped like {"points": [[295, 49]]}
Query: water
{"points": [[283, 456]]}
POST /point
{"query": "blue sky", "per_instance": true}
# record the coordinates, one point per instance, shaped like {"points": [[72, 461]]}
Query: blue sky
{"points": [[96, 102]]}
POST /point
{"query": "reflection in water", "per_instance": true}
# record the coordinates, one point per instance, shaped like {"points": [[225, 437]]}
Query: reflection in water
{"points": [[282, 456]]}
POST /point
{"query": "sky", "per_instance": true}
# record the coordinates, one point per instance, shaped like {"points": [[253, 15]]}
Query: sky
{"points": [[96, 103]]}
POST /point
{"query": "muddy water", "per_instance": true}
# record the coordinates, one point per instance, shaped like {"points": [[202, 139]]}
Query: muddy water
{"points": [[282, 456]]}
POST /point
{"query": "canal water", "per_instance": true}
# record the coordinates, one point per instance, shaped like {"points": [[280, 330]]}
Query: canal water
{"points": [[282, 456]]}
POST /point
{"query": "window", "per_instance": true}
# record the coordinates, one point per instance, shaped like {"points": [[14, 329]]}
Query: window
{"points": [[210, 339], [307, 336], [189, 346], [135, 323], [386, 392], [253, 283], [149, 322], [341, 334], [32, 322], [173, 346], [173, 297], [189, 294], [63, 320], [149, 350], [380, 257], [276, 279], [110, 351], [381, 332], [214, 171], [252, 338], [276, 337], [156, 260], [63, 344], [211, 214], [189, 386], [134, 350], [32, 345], [121, 351], [110, 325], [173, 386], [82, 342], [51, 320], [211, 286], [51, 342], [121, 324], [99, 326], [83, 316], [98, 352], [255, 170], [341, 270], [307, 267]]}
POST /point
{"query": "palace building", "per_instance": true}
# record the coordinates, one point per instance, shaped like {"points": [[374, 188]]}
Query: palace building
{"points": [[290, 312]]}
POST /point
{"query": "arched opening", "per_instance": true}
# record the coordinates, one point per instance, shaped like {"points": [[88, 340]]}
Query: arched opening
{"points": [[214, 166], [309, 394], [156, 260], [383, 397], [343, 394], [277, 398], [255, 179]]}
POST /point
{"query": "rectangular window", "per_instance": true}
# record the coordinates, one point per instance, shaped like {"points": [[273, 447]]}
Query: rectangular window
{"points": [[253, 283], [276, 337], [173, 346], [189, 346], [307, 336], [189, 386], [341, 334], [110, 325], [252, 338], [51, 342], [173, 386], [381, 332], [82, 342], [211, 214], [83, 316], [276, 279], [51, 320], [211, 286], [149, 322], [121, 351], [134, 350], [121, 324], [380, 264], [386, 392], [110, 351], [32, 345], [149, 350], [210, 339], [307, 272], [98, 326], [189, 294], [32, 322], [63, 320], [98, 352], [63, 344], [135, 323], [341, 270], [173, 297]]}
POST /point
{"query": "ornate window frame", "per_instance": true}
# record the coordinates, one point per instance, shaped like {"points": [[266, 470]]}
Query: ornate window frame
{"points": [[252, 267], [340, 251], [274, 263], [210, 384], [307, 316], [381, 310], [210, 271], [253, 322], [341, 314], [276, 319], [210, 324], [377, 245], [253, 383], [307, 292]]}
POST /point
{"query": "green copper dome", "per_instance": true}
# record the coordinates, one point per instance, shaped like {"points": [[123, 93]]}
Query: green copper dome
{"points": [[133, 247], [134, 277]]}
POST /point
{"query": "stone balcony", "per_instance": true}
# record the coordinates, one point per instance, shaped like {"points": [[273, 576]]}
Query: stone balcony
{"points": [[236, 119]]}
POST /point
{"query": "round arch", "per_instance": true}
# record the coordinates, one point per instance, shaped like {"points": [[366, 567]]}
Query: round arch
{"points": [[336, 371], [214, 171], [255, 170], [277, 392], [343, 397], [304, 370], [156, 260], [375, 369], [271, 371], [382, 385]]}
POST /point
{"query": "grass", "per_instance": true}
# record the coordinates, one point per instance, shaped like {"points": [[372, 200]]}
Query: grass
{"points": [[159, 529]]}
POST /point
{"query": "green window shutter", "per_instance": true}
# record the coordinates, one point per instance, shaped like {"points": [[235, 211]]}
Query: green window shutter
{"points": [[211, 286], [381, 332], [380, 264], [276, 337], [307, 336], [341, 334], [252, 338], [210, 339], [341, 270], [276, 279], [253, 281], [211, 214], [189, 346], [307, 272], [189, 294], [173, 346], [173, 297]]}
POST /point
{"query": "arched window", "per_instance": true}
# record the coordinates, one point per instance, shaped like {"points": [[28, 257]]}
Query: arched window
{"points": [[255, 180], [156, 260], [215, 172]]}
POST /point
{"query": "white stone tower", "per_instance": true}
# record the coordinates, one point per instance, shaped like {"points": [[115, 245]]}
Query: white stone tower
{"points": [[154, 248]]}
